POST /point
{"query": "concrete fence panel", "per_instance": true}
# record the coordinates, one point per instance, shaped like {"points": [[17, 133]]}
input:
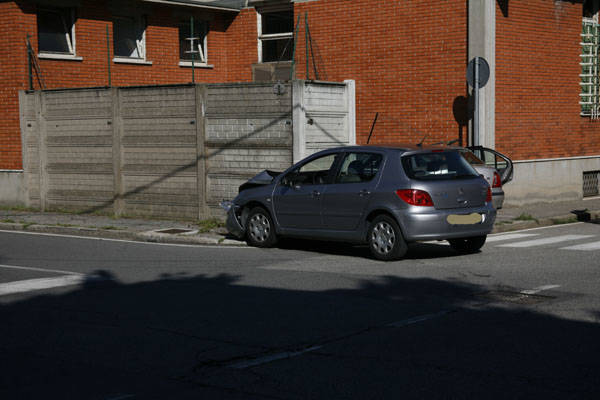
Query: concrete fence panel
{"points": [[170, 151]]}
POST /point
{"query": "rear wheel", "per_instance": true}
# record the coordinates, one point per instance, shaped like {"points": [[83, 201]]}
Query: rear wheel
{"points": [[468, 245], [260, 231], [385, 239]]}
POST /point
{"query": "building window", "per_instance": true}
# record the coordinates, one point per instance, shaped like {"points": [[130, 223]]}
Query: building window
{"points": [[276, 34], [193, 45], [56, 31], [129, 37], [589, 98]]}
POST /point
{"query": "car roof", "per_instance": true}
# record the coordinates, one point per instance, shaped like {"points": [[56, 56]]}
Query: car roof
{"points": [[397, 147]]}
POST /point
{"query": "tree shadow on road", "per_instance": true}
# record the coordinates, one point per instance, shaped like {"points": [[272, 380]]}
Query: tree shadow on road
{"points": [[195, 337]]}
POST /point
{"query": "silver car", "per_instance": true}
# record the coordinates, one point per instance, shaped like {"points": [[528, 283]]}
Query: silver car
{"points": [[386, 197]]}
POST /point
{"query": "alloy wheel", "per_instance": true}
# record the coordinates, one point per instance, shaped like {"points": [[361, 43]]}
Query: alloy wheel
{"points": [[259, 227], [383, 237]]}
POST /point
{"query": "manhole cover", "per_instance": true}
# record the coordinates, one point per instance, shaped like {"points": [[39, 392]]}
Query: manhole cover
{"points": [[174, 231], [514, 297]]}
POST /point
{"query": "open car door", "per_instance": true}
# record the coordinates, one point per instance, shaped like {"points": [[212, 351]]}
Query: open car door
{"points": [[491, 157]]}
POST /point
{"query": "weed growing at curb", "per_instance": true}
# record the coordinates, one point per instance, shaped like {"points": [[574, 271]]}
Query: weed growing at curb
{"points": [[207, 225], [526, 217], [111, 228], [561, 221]]}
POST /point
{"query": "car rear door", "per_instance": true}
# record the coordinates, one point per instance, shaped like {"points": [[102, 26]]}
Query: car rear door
{"points": [[346, 198]]}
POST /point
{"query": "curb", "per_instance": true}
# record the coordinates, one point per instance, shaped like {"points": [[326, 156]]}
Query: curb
{"points": [[588, 216], [148, 236], [218, 240]]}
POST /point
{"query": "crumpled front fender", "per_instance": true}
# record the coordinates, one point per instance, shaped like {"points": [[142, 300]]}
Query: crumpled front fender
{"points": [[234, 223]]}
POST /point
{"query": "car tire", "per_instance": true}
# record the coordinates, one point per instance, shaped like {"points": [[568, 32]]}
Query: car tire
{"points": [[260, 230], [385, 239], [468, 245]]}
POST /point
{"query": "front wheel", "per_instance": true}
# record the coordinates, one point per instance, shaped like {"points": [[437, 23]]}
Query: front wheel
{"points": [[468, 245], [385, 239], [260, 230]]}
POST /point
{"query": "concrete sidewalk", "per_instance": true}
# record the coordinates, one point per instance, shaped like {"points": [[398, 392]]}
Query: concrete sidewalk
{"points": [[186, 232]]}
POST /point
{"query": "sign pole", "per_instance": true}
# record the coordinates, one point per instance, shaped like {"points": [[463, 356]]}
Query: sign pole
{"points": [[476, 104]]}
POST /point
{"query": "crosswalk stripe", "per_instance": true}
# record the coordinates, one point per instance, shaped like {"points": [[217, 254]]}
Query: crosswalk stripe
{"points": [[509, 236], [585, 246], [550, 240], [39, 284]]}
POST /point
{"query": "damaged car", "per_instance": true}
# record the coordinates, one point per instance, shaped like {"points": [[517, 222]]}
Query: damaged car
{"points": [[386, 197]]}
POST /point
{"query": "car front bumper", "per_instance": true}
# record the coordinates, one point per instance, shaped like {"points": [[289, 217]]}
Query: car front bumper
{"points": [[425, 223], [233, 221]]}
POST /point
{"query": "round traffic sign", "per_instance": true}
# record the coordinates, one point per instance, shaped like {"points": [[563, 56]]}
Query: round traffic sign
{"points": [[484, 72]]}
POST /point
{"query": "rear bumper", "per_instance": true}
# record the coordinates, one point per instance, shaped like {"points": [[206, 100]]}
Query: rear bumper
{"points": [[424, 223]]}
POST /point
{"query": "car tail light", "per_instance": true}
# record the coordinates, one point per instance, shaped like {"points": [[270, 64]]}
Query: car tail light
{"points": [[497, 181], [415, 197], [488, 196]]}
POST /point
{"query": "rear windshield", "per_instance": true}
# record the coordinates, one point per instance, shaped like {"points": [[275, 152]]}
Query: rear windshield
{"points": [[438, 166]]}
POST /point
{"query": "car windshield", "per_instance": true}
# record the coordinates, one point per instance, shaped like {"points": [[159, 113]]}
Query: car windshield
{"points": [[438, 166]]}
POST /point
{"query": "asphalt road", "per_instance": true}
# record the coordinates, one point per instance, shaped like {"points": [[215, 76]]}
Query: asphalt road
{"points": [[85, 318]]}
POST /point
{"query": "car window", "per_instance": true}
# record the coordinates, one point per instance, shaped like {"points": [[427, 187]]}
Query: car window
{"points": [[359, 167], [313, 172], [438, 166], [471, 158]]}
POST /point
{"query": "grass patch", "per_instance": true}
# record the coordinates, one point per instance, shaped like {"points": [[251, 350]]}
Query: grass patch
{"points": [[8, 221], [65, 225], [19, 208], [26, 224], [526, 217], [560, 221], [111, 228], [207, 225]]}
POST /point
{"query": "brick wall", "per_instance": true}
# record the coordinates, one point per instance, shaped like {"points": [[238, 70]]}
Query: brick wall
{"points": [[408, 59], [231, 51], [13, 75], [537, 82]]}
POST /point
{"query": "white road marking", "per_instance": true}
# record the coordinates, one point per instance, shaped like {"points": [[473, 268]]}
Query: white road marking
{"points": [[272, 357], [122, 397], [540, 228], [39, 284], [539, 289], [414, 320], [509, 236], [241, 246], [585, 246], [56, 271], [550, 240]]}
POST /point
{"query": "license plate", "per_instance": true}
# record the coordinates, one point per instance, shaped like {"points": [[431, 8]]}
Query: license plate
{"points": [[469, 219]]}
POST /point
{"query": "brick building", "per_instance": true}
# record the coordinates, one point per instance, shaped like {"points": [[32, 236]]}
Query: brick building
{"points": [[408, 59]]}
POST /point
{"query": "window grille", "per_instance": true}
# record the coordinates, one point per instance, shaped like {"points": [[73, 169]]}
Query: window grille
{"points": [[589, 96], [591, 183]]}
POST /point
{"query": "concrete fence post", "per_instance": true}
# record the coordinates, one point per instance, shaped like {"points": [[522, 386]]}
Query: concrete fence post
{"points": [[117, 152], [201, 173], [25, 150], [43, 147], [298, 120], [351, 110]]}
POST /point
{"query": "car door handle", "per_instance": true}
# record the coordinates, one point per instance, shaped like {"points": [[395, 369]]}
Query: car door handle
{"points": [[315, 193], [364, 192]]}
